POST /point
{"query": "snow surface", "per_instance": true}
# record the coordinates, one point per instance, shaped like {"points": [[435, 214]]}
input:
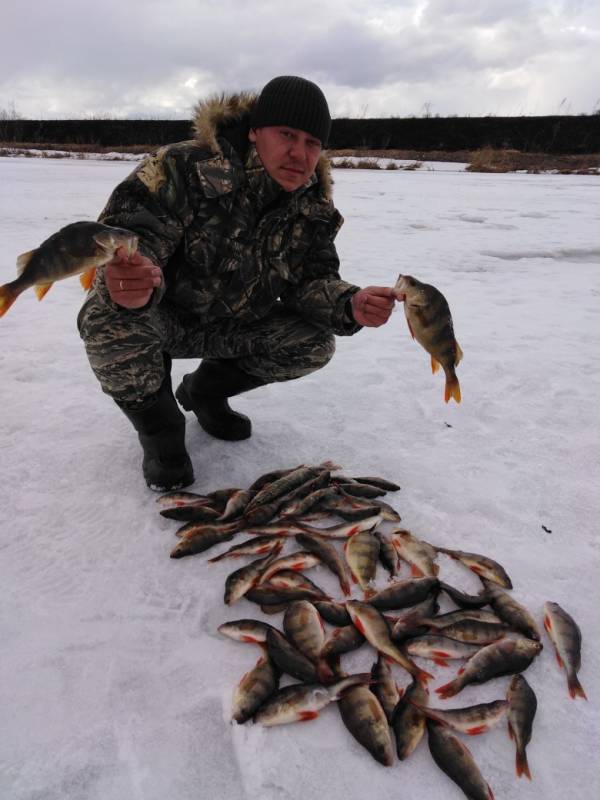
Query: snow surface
{"points": [[114, 682]]}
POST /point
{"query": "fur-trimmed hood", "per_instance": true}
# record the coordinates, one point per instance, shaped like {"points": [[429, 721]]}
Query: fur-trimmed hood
{"points": [[232, 112]]}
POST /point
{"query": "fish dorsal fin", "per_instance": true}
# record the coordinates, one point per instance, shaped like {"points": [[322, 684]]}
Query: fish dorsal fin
{"points": [[23, 260], [459, 355]]}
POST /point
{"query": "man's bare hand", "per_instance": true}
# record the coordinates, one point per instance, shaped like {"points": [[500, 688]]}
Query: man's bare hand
{"points": [[131, 280], [373, 305]]}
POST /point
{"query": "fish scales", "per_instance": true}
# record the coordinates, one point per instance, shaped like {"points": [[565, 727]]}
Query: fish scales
{"points": [[455, 759]]}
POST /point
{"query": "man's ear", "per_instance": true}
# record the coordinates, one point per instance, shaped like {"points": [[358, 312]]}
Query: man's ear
{"points": [[252, 134]]}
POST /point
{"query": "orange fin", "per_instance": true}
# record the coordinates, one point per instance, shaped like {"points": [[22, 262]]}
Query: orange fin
{"points": [[304, 716], [447, 690], [410, 329], [452, 389], [416, 572], [87, 278], [42, 289], [477, 729], [7, 298], [441, 662], [435, 365], [511, 734], [522, 765], [559, 660]]}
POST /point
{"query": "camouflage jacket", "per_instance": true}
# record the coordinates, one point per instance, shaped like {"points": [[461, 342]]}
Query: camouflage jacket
{"points": [[230, 241]]}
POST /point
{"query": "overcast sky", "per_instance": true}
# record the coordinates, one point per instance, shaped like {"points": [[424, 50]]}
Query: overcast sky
{"points": [[156, 58]]}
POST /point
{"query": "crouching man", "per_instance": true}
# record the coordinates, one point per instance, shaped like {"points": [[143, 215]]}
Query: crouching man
{"points": [[236, 265]]}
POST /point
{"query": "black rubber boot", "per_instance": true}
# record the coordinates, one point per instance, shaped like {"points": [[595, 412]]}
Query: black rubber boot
{"points": [[205, 392], [161, 431]]}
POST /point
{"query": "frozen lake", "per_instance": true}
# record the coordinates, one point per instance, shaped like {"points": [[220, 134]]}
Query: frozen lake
{"points": [[114, 682]]}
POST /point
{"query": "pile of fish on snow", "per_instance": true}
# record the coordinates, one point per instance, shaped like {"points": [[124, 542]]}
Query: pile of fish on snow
{"points": [[501, 640]]}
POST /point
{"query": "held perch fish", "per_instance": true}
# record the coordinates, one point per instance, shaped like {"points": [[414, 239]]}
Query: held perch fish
{"points": [[78, 248], [430, 323]]}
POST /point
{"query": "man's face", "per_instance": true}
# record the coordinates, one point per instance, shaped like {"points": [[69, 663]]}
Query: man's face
{"points": [[289, 155]]}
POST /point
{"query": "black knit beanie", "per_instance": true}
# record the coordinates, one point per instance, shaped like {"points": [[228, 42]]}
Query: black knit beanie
{"points": [[296, 102]]}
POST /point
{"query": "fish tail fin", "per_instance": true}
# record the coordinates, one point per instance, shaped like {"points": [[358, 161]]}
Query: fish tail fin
{"points": [[522, 766], [575, 688], [7, 298], [452, 389], [87, 278], [435, 365], [42, 289]]}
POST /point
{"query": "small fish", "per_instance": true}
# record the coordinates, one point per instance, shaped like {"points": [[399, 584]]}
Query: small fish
{"points": [[473, 631], [511, 612], [522, 705], [304, 629], [362, 552], [238, 582], [246, 630], [408, 720], [269, 477], [411, 621], [354, 489], [259, 545], [419, 555], [439, 648], [430, 323], [298, 507], [302, 702], [382, 483], [294, 561], [566, 638], [505, 657], [384, 686], [343, 531], [455, 759], [481, 565], [388, 555], [200, 529], [329, 556], [180, 498], [471, 720], [351, 509], [332, 612], [236, 504], [192, 512], [404, 593], [81, 247], [364, 717], [375, 630], [203, 540], [465, 601], [284, 485], [481, 615], [254, 689]]}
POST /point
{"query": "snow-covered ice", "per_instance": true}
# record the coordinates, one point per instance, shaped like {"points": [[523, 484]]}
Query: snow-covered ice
{"points": [[114, 682]]}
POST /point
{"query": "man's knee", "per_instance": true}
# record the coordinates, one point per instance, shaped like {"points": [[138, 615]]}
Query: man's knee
{"points": [[124, 350]]}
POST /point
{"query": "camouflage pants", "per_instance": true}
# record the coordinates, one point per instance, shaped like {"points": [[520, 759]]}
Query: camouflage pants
{"points": [[125, 348]]}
